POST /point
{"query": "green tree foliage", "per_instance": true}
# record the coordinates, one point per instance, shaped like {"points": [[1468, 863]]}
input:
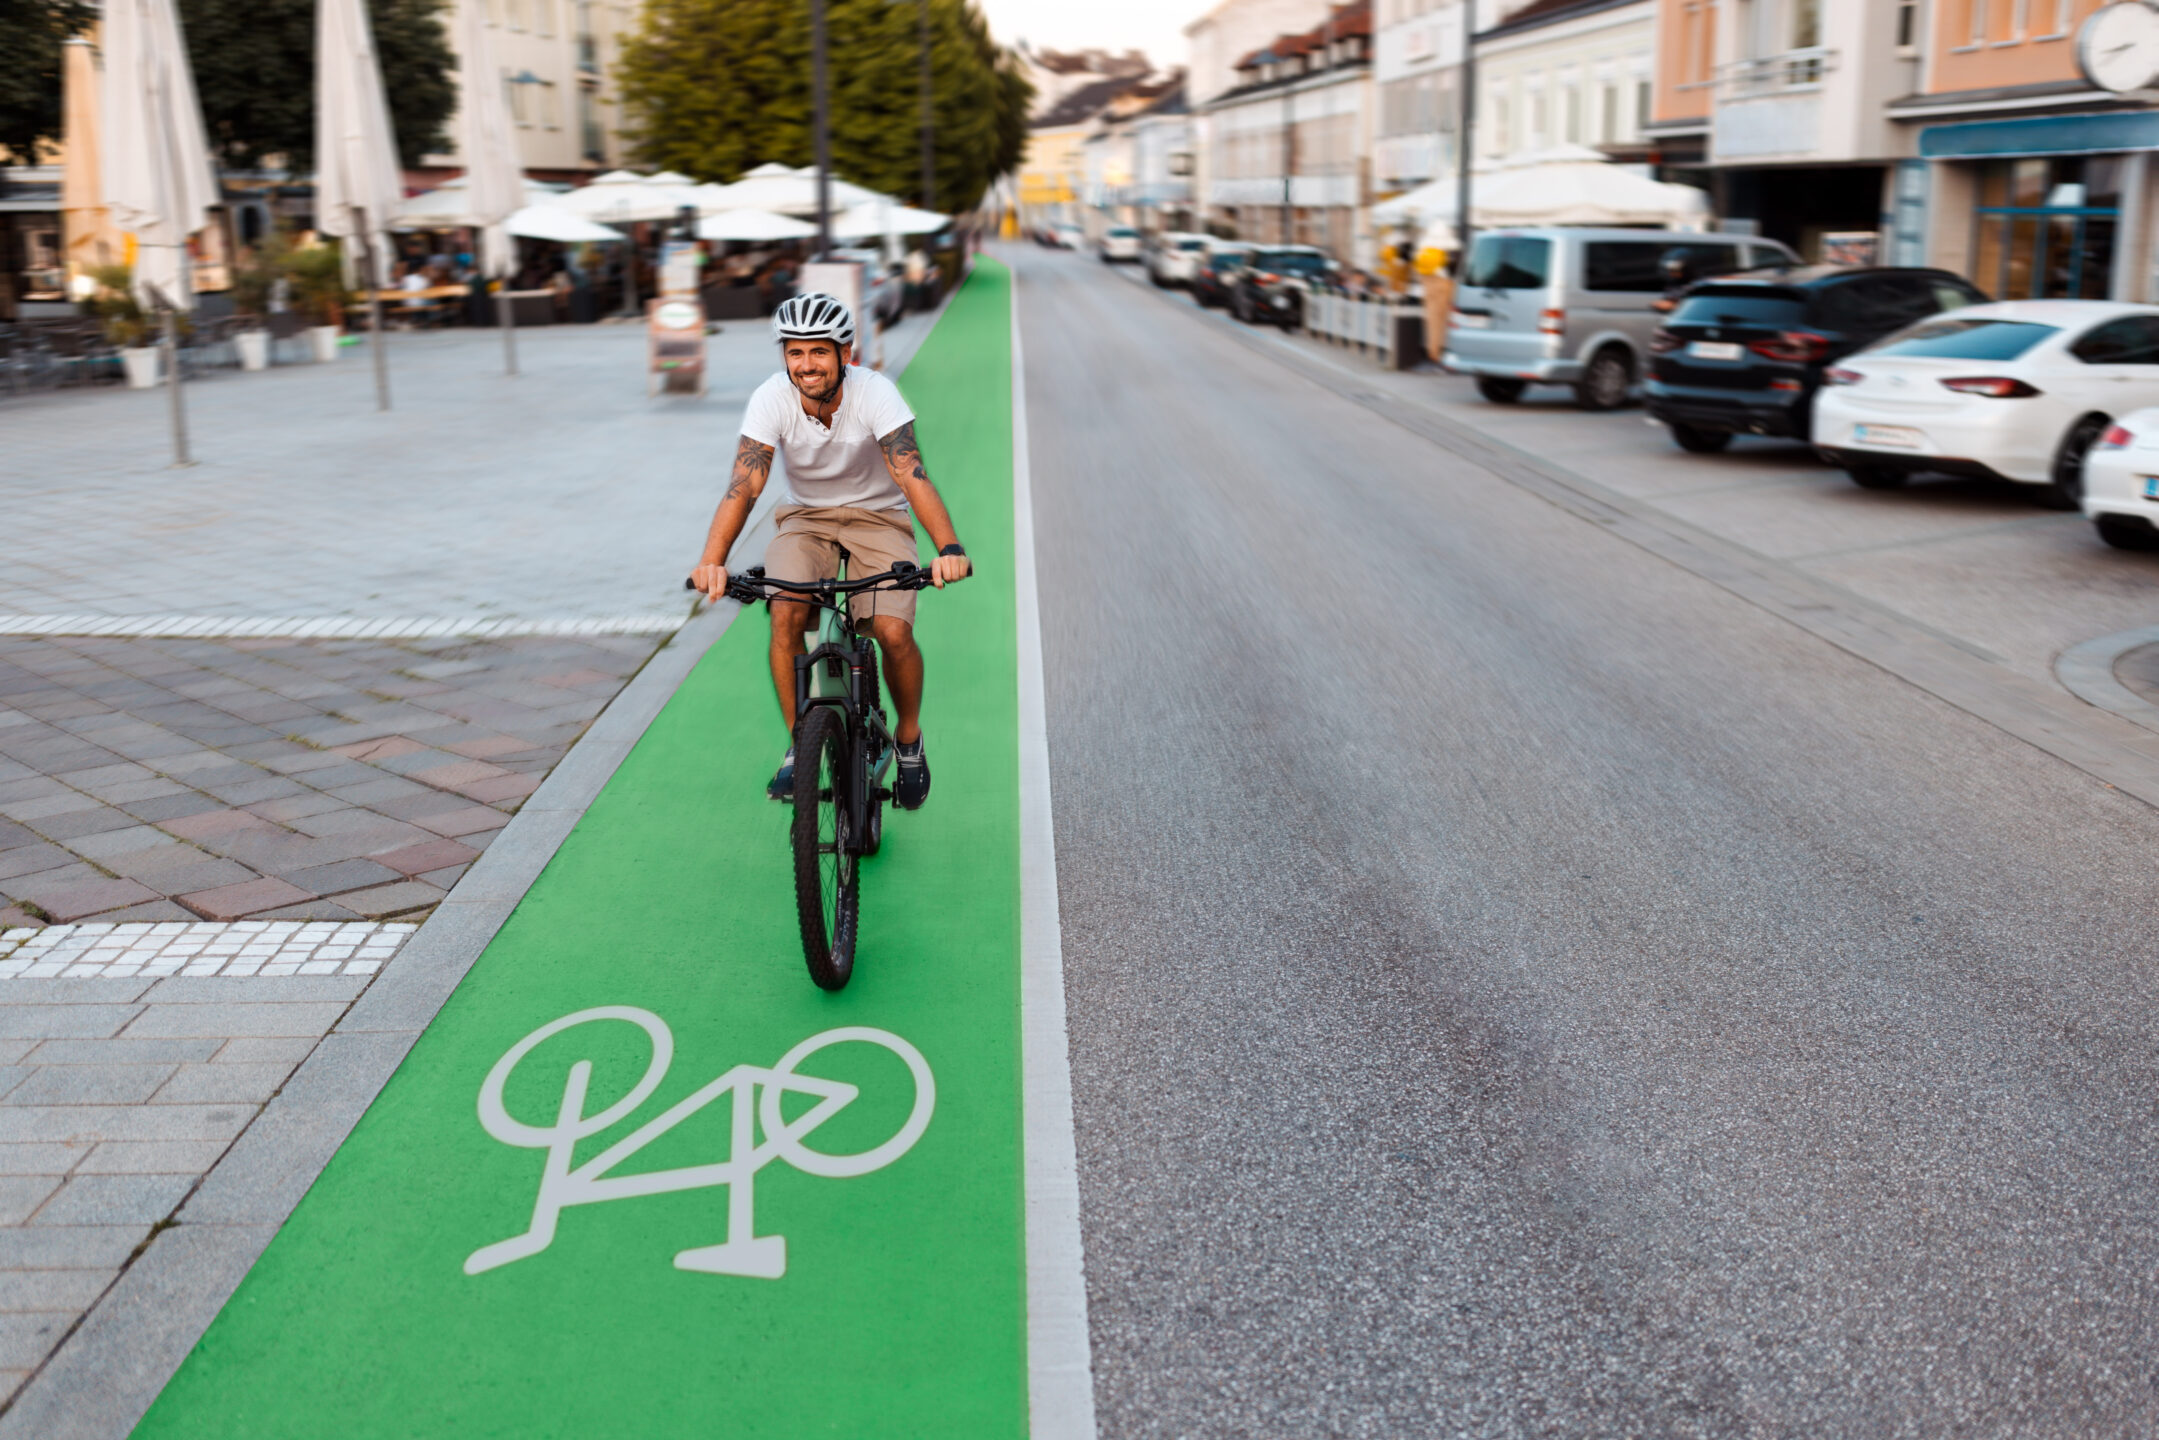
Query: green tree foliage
{"points": [[31, 33], [255, 72], [714, 87]]}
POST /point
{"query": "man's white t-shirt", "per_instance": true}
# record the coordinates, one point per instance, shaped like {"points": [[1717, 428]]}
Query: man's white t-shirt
{"points": [[840, 465]]}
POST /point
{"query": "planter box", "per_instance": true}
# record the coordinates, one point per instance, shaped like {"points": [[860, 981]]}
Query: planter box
{"points": [[140, 362], [254, 348], [323, 339]]}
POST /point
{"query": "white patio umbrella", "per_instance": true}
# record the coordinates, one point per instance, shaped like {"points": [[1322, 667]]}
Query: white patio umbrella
{"points": [[789, 192], [1575, 191], [359, 185], [886, 217], [753, 225], [626, 200], [157, 178], [494, 181], [669, 177], [448, 206], [552, 222]]}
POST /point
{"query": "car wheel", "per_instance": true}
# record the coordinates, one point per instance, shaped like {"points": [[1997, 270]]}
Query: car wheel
{"points": [[2126, 532], [1877, 477], [1700, 442], [1605, 383], [1498, 391], [2065, 490], [1241, 308]]}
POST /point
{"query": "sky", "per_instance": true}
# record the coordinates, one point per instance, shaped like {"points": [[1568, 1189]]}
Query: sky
{"points": [[1154, 26]]}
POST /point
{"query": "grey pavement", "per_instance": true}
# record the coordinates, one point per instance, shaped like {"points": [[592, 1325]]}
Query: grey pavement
{"points": [[1521, 986]]}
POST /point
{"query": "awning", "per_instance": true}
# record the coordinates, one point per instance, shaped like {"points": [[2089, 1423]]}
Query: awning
{"points": [[2042, 135]]}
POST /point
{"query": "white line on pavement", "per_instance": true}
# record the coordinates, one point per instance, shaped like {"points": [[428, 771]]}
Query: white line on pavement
{"points": [[315, 627], [236, 950], [1060, 1368]]}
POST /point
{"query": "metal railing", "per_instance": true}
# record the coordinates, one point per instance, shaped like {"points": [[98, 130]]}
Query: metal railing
{"points": [[1769, 74], [1366, 324]]}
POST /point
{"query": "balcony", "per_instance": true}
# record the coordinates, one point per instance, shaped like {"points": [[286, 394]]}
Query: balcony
{"points": [[1771, 105], [1775, 74]]}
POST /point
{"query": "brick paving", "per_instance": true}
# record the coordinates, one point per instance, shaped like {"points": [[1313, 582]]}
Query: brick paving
{"points": [[275, 779]]}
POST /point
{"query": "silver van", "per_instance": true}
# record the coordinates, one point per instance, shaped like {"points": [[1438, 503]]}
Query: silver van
{"points": [[1572, 305]]}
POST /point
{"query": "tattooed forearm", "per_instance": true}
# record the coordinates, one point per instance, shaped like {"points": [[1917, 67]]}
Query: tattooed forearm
{"points": [[753, 466], [902, 456]]}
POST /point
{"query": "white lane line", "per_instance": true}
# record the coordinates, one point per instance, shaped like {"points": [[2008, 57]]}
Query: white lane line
{"points": [[315, 627], [1060, 1366], [235, 950]]}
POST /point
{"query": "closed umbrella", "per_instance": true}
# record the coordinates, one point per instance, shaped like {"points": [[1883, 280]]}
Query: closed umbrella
{"points": [[158, 182], [494, 181], [87, 233], [359, 184]]}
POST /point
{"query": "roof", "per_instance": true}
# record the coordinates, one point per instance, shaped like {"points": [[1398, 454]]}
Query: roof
{"points": [[1083, 104], [1348, 22], [1538, 13]]}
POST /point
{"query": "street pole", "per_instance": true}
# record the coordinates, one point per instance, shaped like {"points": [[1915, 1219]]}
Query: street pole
{"points": [[1289, 153], [820, 129], [373, 281], [929, 142], [505, 313], [1464, 152]]}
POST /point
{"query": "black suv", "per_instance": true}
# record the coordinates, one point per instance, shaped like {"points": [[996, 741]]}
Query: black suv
{"points": [[1747, 355], [1273, 282], [1216, 274]]}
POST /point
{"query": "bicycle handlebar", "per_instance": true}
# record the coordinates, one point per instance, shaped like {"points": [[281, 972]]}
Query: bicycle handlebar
{"points": [[752, 585]]}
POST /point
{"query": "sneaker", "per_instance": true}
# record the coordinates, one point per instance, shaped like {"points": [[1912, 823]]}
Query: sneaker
{"points": [[912, 786], [783, 780]]}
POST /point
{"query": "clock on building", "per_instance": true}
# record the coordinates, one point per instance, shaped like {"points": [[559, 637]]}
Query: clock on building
{"points": [[2118, 47]]}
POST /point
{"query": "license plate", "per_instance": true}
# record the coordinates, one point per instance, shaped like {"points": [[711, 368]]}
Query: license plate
{"points": [[1714, 350], [1897, 437], [2151, 487], [1472, 322]]}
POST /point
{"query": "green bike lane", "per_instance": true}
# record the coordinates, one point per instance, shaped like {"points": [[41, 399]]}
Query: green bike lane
{"points": [[692, 1265]]}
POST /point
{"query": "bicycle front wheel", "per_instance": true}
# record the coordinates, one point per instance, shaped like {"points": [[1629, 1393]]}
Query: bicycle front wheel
{"points": [[825, 894]]}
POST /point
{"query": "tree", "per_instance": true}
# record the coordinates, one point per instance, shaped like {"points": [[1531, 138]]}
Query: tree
{"points": [[255, 72], [31, 34], [713, 87]]}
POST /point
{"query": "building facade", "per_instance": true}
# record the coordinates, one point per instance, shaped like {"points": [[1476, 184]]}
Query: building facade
{"points": [[1137, 161], [1290, 146], [1417, 77], [557, 59], [1566, 73]]}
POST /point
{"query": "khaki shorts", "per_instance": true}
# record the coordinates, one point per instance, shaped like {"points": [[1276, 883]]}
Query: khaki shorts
{"points": [[809, 540]]}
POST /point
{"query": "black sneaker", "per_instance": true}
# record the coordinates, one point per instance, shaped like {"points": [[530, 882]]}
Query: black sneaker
{"points": [[912, 786], [783, 780]]}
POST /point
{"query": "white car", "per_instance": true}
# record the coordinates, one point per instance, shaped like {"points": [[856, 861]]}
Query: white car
{"points": [[1070, 236], [2017, 390], [1175, 257], [2121, 482], [1120, 242]]}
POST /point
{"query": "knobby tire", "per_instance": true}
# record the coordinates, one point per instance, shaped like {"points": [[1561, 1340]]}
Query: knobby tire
{"points": [[826, 879]]}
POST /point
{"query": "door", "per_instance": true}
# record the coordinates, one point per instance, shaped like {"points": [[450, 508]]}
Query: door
{"points": [[1502, 301]]}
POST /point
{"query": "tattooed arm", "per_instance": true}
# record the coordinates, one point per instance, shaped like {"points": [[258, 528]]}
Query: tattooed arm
{"points": [[903, 458], [753, 467]]}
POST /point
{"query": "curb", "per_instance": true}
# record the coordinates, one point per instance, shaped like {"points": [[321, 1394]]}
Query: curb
{"points": [[2087, 671]]}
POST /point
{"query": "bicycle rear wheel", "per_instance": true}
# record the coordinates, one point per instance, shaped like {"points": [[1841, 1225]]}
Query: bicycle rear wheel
{"points": [[825, 893]]}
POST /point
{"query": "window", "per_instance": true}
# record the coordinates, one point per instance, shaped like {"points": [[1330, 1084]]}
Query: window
{"points": [[2046, 229], [543, 17], [1509, 262], [549, 115], [1573, 108], [1748, 305], [513, 12], [1641, 105], [1608, 128], [1975, 22], [2131, 340], [1966, 339], [592, 141], [1624, 265], [1874, 304], [518, 109]]}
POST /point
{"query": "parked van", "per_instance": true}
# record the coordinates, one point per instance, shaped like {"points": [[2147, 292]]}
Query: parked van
{"points": [[1569, 305]]}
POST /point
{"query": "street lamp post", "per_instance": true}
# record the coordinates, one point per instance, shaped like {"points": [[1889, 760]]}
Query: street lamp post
{"points": [[820, 128], [1467, 149], [929, 140]]}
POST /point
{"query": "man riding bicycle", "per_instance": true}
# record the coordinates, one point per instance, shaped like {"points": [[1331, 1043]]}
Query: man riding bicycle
{"points": [[855, 482]]}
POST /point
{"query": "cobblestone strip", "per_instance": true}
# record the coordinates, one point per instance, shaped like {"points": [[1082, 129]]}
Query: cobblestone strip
{"points": [[241, 949], [290, 627]]}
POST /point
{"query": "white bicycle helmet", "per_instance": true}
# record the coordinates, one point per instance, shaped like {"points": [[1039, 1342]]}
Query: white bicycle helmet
{"points": [[815, 316]]}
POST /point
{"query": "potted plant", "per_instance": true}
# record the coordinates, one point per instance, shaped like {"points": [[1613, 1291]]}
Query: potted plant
{"points": [[317, 273], [253, 282], [127, 324]]}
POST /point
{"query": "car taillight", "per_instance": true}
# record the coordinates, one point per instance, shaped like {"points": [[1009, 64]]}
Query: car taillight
{"points": [[1796, 347], [1664, 342], [2000, 387], [1552, 322], [2116, 438], [1838, 375], [1264, 278]]}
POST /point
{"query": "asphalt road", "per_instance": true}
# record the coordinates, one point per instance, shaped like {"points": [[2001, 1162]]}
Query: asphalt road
{"points": [[1518, 988]]}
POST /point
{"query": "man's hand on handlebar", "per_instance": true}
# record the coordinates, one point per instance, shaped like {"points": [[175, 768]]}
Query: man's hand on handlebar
{"points": [[710, 581], [946, 569]]}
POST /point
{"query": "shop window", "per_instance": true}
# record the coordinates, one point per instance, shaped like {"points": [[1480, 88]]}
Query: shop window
{"points": [[2046, 228]]}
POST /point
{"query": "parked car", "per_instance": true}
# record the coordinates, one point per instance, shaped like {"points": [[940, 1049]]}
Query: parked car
{"points": [[2121, 481], [1271, 286], [1572, 305], [2022, 390], [1175, 257], [1120, 245], [1069, 236], [1216, 273], [1747, 356]]}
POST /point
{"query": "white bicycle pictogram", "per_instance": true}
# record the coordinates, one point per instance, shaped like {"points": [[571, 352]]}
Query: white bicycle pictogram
{"points": [[744, 1252]]}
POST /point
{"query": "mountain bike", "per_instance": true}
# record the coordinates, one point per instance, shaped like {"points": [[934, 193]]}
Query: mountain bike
{"points": [[843, 752]]}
